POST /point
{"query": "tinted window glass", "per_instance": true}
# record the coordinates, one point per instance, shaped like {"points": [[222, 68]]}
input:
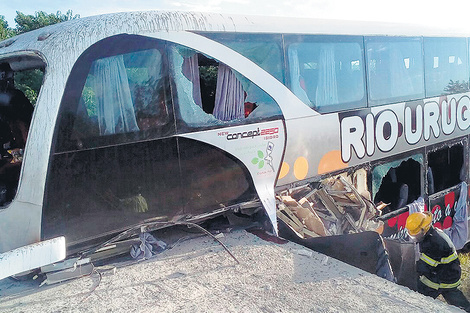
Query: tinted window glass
{"points": [[126, 93], [327, 72], [115, 162], [264, 50], [210, 93], [395, 69], [446, 66], [117, 93]]}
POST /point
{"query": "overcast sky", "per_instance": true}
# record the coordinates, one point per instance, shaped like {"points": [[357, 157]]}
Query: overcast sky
{"points": [[452, 13]]}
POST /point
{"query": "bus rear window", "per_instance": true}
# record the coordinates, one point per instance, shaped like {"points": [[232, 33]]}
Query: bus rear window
{"points": [[395, 69], [327, 72], [446, 66]]}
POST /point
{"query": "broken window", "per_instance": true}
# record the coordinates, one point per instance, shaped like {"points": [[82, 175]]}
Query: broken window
{"points": [[445, 168], [398, 182], [210, 93], [208, 69]]}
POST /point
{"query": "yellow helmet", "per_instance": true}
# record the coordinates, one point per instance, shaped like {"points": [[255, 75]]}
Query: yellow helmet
{"points": [[418, 222]]}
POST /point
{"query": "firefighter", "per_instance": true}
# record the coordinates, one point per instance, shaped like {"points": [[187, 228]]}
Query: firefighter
{"points": [[438, 267]]}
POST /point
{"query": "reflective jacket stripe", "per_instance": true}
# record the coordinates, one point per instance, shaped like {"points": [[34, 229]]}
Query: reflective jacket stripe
{"points": [[437, 286], [450, 258], [429, 260], [435, 263]]}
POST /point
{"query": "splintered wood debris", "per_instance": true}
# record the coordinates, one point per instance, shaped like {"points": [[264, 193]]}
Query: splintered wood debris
{"points": [[338, 205]]}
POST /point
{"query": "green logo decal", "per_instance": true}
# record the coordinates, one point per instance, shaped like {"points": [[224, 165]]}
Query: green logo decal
{"points": [[259, 160]]}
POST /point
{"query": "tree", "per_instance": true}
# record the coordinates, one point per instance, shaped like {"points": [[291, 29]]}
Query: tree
{"points": [[29, 81], [5, 31], [27, 23], [456, 87]]}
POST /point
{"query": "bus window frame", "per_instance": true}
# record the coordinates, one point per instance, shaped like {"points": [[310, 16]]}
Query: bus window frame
{"points": [[391, 100], [183, 126], [289, 39], [228, 39], [76, 81], [430, 94], [416, 155], [464, 141]]}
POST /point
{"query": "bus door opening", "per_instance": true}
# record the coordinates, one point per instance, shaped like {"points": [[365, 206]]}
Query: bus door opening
{"points": [[18, 93]]}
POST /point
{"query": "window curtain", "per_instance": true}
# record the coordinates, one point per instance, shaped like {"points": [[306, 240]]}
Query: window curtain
{"points": [[191, 71], [116, 113], [295, 76], [229, 95], [327, 89]]}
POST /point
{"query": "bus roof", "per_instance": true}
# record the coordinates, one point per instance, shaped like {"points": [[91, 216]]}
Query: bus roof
{"points": [[69, 39], [90, 28]]}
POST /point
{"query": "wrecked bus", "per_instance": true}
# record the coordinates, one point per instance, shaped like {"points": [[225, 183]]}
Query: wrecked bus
{"points": [[146, 118]]}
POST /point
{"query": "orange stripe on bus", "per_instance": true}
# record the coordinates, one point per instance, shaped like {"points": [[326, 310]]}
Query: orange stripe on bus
{"points": [[330, 162]]}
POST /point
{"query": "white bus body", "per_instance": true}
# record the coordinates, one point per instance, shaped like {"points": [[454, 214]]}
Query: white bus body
{"points": [[179, 159]]}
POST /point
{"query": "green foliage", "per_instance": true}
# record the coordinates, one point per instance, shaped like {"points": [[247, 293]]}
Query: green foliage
{"points": [[5, 31], [456, 87], [89, 99], [27, 23], [208, 75], [465, 265], [29, 82]]}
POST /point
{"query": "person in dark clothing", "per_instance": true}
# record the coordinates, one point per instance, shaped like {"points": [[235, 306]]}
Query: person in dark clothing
{"points": [[438, 267]]}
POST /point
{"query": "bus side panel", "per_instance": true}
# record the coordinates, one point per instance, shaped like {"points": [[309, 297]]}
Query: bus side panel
{"points": [[19, 225], [313, 148], [95, 191], [211, 178], [260, 147]]}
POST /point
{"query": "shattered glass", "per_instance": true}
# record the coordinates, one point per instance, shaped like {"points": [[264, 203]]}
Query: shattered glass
{"points": [[380, 171]]}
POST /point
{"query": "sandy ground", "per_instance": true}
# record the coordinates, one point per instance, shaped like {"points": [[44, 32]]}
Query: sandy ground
{"points": [[198, 275]]}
